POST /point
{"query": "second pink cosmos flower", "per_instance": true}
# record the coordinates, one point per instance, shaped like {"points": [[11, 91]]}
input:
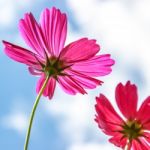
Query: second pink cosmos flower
{"points": [[73, 66]]}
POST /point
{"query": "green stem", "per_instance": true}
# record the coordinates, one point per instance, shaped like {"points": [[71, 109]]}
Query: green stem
{"points": [[33, 113]]}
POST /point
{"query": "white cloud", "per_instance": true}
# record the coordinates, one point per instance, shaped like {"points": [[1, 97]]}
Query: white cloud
{"points": [[16, 118], [9, 10], [76, 116], [7, 14], [15, 121], [92, 146], [114, 25]]}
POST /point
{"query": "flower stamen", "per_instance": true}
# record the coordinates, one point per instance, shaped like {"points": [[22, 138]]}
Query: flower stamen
{"points": [[132, 130], [54, 67]]}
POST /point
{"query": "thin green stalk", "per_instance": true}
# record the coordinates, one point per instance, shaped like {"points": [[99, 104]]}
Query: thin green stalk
{"points": [[33, 113]]}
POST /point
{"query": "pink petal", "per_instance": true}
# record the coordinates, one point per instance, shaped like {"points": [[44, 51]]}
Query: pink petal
{"points": [[143, 115], [79, 50], [136, 145], [146, 135], [70, 86], [84, 80], [21, 55], [109, 128], [50, 87], [54, 27], [118, 140], [126, 98], [34, 71], [96, 66], [107, 118], [144, 144], [140, 144], [32, 34]]}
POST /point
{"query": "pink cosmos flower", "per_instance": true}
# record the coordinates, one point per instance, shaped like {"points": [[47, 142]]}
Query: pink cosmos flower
{"points": [[72, 66], [133, 131]]}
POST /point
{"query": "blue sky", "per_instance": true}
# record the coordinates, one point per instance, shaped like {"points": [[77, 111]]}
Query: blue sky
{"points": [[67, 122]]}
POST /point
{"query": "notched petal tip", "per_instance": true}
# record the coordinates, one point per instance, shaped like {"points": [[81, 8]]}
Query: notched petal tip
{"points": [[54, 27], [112, 61], [26, 15], [127, 84], [126, 99], [6, 43], [101, 100], [3, 41], [100, 97], [119, 85]]}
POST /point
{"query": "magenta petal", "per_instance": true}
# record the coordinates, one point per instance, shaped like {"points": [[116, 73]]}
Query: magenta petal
{"points": [[136, 145], [144, 113], [147, 136], [20, 54], [50, 87], [105, 106], [118, 140], [126, 98], [40, 82], [145, 145], [107, 118], [140, 145], [34, 71], [32, 34], [96, 66], [108, 127], [84, 80], [70, 86], [80, 50], [49, 91], [54, 27]]}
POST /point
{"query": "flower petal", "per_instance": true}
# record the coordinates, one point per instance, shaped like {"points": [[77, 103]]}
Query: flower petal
{"points": [[50, 87], [79, 50], [144, 113], [34, 71], [118, 140], [54, 27], [84, 80], [140, 144], [21, 55], [146, 135], [70, 86], [32, 34], [126, 98], [107, 118], [96, 66], [136, 145]]}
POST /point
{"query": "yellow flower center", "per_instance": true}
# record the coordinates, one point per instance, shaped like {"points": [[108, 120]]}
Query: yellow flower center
{"points": [[132, 130], [54, 67]]}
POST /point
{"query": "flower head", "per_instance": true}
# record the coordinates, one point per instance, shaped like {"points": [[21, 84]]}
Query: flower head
{"points": [[72, 66], [133, 130]]}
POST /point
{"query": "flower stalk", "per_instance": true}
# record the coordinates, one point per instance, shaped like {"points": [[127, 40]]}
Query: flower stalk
{"points": [[33, 112]]}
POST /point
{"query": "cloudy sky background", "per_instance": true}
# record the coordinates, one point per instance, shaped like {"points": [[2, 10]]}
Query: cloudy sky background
{"points": [[121, 27]]}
